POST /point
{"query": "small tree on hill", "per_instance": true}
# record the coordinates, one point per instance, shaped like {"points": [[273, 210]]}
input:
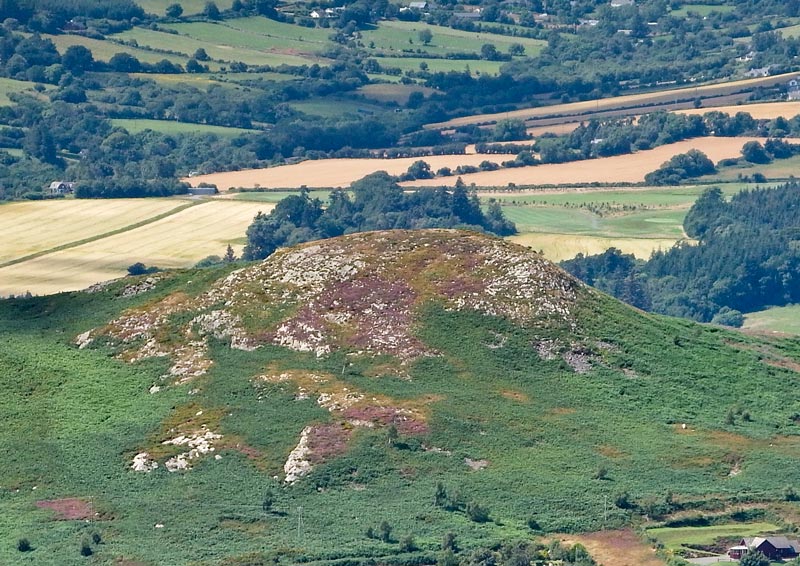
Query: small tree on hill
{"points": [[211, 11], [385, 531], [425, 36], [229, 255], [440, 496], [24, 545]]}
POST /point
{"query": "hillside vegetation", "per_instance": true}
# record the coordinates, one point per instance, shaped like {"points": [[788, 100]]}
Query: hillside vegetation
{"points": [[398, 397]]}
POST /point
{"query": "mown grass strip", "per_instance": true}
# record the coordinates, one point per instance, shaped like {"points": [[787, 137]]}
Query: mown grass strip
{"points": [[77, 243]]}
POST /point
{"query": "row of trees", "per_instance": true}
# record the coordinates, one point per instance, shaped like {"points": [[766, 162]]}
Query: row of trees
{"points": [[378, 203]]}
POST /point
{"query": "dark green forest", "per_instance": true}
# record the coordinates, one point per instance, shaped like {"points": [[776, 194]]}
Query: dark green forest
{"points": [[747, 257]]}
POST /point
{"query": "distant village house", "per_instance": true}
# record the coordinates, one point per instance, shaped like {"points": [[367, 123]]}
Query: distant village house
{"points": [[60, 188]]}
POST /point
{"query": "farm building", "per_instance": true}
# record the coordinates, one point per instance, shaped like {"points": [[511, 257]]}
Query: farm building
{"points": [[60, 188], [774, 548], [203, 191], [793, 89]]}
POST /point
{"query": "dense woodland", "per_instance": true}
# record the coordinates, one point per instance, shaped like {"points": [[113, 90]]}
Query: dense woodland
{"points": [[378, 203], [747, 258]]}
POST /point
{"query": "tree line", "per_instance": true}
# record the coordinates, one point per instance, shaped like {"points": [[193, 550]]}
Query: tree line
{"points": [[746, 258], [377, 203]]}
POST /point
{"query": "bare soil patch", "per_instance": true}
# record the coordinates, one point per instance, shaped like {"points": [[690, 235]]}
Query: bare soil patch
{"points": [[68, 509]]}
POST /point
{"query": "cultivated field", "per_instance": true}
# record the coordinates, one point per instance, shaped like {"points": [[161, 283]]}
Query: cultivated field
{"points": [[620, 168], [330, 172], [558, 247], [342, 172], [759, 111], [777, 319], [134, 126], [178, 240], [30, 227], [627, 101]]}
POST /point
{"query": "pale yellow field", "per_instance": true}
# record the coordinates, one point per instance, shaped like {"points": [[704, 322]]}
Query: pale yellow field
{"points": [[558, 247], [33, 226], [332, 172], [759, 111], [620, 168], [180, 240], [626, 101]]}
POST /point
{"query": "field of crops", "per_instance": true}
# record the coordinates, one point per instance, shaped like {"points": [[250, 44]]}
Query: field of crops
{"points": [[30, 227], [759, 111], [176, 240]]}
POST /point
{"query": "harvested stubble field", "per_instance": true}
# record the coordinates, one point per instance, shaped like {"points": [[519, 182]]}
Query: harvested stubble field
{"points": [[330, 172], [630, 168], [759, 111], [30, 227], [179, 240], [558, 247], [341, 172], [626, 101]]}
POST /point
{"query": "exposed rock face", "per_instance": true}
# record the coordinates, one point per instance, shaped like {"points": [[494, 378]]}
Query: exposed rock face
{"points": [[361, 293]]}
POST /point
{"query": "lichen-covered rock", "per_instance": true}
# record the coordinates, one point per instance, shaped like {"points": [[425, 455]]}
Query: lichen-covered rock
{"points": [[362, 293]]}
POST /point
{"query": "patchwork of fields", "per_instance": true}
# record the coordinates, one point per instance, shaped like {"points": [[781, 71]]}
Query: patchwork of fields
{"points": [[177, 236]]}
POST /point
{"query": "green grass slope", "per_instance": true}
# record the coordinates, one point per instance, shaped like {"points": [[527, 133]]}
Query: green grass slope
{"points": [[378, 365]]}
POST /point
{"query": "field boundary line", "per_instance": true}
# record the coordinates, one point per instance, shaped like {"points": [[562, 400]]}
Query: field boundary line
{"points": [[96, 237]]}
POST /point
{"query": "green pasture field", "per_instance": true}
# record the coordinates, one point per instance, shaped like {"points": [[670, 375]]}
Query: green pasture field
{"points": [[778, 169], [790, 31], [398, 93], [394, 36], [475, 66], [702, 9], [334, 107], [276, 196], [190, 7], [205, 80], [215, 49], [11, 86], [230, 35], [259, 26], [558, 220], [134, 126], [103, 50], [776, 319], [674, 538]]}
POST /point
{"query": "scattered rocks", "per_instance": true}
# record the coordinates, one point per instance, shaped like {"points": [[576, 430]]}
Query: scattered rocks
{"points": [[476, 465], [140, 287], [143, 463]]}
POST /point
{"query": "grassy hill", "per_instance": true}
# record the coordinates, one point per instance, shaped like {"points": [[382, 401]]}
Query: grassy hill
{"points": [[343, 380]]}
